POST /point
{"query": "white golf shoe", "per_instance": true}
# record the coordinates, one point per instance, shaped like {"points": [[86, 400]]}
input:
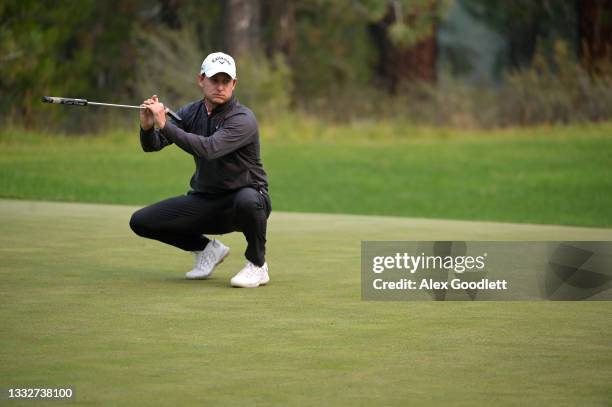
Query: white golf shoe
{"points": [[206, 260], [251, 276]]}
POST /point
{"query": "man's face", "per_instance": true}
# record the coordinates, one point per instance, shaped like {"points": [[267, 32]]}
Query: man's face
{"points": [[217, 89]]}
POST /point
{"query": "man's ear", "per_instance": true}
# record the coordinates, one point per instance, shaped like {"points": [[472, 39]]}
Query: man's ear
{"points": [[234, 81], [200, 79]]}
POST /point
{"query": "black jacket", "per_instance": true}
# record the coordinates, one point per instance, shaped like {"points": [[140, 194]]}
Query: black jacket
{"points": [[225, 146]]}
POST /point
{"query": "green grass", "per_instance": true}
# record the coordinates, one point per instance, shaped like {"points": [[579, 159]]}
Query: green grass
{"points": [[558, 175], [85, 303]]}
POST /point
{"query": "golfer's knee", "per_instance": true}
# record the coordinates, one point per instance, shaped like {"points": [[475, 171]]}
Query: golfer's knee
{"points": [[248, 202], [139, 224]]}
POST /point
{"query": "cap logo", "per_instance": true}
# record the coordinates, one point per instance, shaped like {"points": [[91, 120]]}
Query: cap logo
{"points": [[221, 60]]}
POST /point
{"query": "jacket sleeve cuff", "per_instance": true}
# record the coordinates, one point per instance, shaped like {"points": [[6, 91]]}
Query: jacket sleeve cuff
{"points": [[144, 132], [169, 130]]}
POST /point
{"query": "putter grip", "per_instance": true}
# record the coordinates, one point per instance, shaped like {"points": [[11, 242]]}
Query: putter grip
{"points": [[64, 101], [173, 115]]}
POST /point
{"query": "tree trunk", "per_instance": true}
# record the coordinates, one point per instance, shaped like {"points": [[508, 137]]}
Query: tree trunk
{"points": [[279, 16], [169, 13], [595, 33], [242, 26], [396, 63]]}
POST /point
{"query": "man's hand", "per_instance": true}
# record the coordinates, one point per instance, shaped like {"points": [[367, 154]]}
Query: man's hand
{"points": [[154, 114], [146, 117]]}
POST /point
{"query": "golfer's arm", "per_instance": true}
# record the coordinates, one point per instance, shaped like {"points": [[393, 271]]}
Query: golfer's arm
{"points": [[152, 140], [237, 131]]}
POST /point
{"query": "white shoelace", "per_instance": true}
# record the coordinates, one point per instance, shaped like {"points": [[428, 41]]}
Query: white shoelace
{"points": [[250, 270], [206, 260]]}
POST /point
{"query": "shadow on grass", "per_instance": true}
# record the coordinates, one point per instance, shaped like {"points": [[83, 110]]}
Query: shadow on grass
{"points": [[210, 282]]}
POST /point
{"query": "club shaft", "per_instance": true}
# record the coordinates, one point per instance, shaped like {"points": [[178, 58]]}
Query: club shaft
{"points": [[85, 102], [115, 105]]}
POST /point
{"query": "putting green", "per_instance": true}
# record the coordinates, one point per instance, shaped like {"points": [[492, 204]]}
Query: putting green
{"points": [[85, 303]]}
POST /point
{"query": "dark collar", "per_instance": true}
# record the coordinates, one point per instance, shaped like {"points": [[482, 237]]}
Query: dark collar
{"points": [[222, 109]]}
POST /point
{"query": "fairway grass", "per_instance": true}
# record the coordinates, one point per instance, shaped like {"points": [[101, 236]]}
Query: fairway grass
{"points": [[86, 303], [543, 175]]}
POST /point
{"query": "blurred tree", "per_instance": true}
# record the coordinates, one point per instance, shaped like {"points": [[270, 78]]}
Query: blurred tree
{"points": [[525, 23], [325, 42], [169, 13], [278, 27], [67, 48], [406, 38], [207, 20], [331, 43], [242, 26], [264, 77], [595, 33]]}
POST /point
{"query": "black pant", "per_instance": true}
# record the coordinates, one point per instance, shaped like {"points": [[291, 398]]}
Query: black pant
{"points": [[181, 221]]}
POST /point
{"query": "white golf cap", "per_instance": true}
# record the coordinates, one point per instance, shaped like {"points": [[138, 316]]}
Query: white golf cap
{"points": [[218, 62]]}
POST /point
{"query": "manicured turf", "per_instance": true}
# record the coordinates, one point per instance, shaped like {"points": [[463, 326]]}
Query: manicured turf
{"points": [[85, 303], [552, 176]]}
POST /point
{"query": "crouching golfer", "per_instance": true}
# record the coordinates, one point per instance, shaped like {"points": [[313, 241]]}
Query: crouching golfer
{"points": [[229, 189]]}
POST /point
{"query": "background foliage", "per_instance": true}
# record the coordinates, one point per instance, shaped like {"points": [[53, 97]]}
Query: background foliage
{"points": [[338, 60]]}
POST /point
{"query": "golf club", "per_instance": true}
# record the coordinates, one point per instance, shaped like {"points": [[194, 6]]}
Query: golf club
{"points": [[85, 102]]}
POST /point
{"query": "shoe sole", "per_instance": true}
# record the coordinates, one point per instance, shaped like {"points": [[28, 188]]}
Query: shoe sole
{"points": [[213, 269]]}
